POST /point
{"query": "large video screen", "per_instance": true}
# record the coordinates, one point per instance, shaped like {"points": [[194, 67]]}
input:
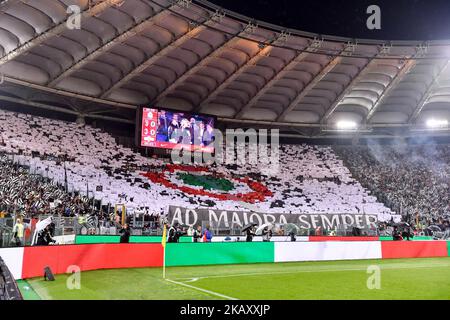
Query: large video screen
{"points": [[170, 129]]}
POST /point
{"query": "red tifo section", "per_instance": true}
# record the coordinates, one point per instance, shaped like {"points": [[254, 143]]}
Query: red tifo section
{"points": [[413, 249], [90, 257], [259, 191]]}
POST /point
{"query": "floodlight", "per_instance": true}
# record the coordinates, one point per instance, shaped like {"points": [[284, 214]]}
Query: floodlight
{"points": [[346, 125], [437, 123]]}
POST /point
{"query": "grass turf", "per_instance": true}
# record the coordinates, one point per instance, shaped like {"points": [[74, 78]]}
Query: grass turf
{"points": [[400, 279]]}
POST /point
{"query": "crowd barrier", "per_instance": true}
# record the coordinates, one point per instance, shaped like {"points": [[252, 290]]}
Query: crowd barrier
{"points": [[414, 249], [335, 238], [30, 262], [91, 239], [326, 251], [189, 254], [416, 238]]}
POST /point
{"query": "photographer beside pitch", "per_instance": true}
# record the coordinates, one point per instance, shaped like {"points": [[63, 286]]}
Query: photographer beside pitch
{"points": [[125, 233], [174, 233], [197, 234]]}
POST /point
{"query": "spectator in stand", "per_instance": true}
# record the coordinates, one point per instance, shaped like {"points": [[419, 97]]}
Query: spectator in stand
{"points": [[125, 233], [396, 234], [172, 232], [197, 234], [207, 235], [45, 236], [30, 194], [413, 180], [250, 233], [18, 233], [446, 229], [267, 234]]}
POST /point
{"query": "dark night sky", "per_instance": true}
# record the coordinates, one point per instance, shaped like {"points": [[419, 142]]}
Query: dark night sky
{"points": [[400, 19]]}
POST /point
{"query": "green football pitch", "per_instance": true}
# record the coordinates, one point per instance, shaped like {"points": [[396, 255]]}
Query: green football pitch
{"points": [[398, 279]]}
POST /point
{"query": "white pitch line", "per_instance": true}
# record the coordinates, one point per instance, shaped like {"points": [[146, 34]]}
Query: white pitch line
{"points": [[202, 290], [309, 271]]}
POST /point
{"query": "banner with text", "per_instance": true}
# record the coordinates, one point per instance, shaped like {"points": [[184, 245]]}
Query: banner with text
{"points": [[229, 219]]}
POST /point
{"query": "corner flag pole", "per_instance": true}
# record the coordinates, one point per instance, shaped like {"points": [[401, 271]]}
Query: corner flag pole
{"points": [[163, 243]]}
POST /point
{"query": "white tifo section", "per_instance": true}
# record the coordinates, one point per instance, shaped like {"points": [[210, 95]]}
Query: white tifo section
{"points": [[307, 179], [323, 251], [13, 258]]}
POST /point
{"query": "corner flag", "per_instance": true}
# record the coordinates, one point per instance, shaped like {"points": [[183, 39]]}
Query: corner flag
{"points": [[164, 236], [163, 243]]}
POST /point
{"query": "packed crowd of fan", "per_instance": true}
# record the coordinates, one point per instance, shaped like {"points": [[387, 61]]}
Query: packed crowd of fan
{"points": [[32, 195], [310, 179], [413, 180]]}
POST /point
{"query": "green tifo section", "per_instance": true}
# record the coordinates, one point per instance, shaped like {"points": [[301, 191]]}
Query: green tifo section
{"points": [[92, 239], [424, 278], [417, 238], [191, 254], [207, 182]]}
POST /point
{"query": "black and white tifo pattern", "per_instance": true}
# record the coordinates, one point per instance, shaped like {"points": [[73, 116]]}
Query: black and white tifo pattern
{"points": [[91, 221], [31, 193], [309, 179]]}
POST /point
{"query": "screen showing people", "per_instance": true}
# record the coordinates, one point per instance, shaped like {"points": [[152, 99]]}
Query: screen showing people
{"points": [[167, 129]]}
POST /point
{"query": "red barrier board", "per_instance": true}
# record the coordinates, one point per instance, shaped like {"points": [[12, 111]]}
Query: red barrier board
{"points": [[332, 238], [413, 249], [90, 257]]}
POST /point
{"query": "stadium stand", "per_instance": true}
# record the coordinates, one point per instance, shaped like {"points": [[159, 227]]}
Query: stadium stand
{"points": [[8, 286], [33, 193], [413, 180], [311, 178]]}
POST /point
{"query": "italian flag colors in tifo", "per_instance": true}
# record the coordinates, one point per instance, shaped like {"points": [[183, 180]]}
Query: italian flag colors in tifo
{"points": [[200, 181]]}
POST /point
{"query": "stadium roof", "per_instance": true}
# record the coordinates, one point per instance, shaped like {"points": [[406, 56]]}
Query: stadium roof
{"points": [[195, 56]]}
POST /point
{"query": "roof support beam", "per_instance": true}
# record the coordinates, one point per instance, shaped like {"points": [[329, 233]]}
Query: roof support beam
{"points": [[287, 68], [302, 94], [4, 5], [120, 38], [69, 94], [349, 48], [56, 30], [45, 106], [157, 55], [261, 53], [39, 105], [361, 73], [423, 101], [204, 61], [420, 51], [108, 118], [404, 69], [302, 125]]}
